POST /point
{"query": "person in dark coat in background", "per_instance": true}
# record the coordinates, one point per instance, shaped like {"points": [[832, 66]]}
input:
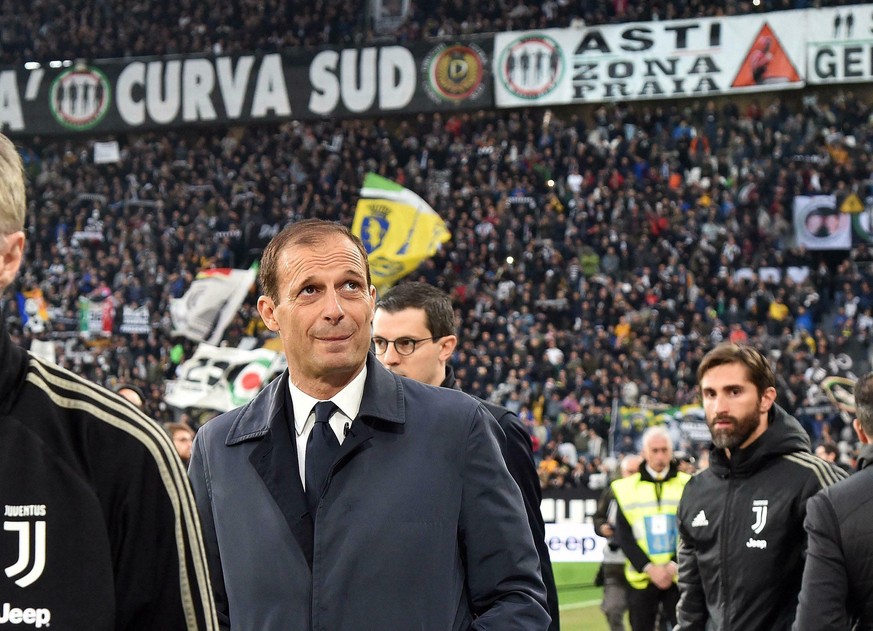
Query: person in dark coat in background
{"points": [[346, 498], [414, 336], [614, 603], [837, 588]]}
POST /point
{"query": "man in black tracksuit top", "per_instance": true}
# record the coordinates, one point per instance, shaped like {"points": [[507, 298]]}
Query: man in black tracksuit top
{"points": [[742, 543], [100, 530], [420, 319]]}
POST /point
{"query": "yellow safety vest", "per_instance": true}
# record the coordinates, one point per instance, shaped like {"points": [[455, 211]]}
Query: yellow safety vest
{"points": [[653, 521]]}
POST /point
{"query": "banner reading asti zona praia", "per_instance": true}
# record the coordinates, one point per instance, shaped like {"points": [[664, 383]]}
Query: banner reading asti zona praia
{"points": [[683, 58], [639, 60]]}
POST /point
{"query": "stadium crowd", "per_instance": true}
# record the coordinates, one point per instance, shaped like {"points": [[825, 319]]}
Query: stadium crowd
{"points": [[595, 253], [45, 31], [589, 259]]}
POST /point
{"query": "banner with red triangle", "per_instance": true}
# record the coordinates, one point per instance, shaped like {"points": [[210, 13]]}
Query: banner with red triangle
{"points": [[766, 62]]}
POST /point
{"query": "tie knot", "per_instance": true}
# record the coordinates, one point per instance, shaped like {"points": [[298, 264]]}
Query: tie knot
{"points": [[324, 410]]}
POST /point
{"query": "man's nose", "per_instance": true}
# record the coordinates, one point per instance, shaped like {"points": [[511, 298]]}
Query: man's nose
{"points": [[332, 307], [721, 404], [391, 356]]}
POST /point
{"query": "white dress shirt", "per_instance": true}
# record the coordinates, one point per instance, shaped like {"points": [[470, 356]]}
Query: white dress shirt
{"points": [[348, 400]]}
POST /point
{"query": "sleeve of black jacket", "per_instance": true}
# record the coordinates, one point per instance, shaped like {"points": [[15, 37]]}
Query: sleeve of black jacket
{"points": [[822, 602], [151, 526], [518, 453], [601, 515], [691, 613], [518, 600]]}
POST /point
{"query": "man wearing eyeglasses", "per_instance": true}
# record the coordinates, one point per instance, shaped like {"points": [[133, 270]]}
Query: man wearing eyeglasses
{"points": [[413, 336]]}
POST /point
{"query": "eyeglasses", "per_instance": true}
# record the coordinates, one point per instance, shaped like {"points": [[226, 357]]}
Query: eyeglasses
{"points": [[403, 345]]}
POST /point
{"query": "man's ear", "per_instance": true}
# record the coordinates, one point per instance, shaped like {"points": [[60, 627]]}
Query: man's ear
{"points": [[266, 307], [768, 399], [859, 431], [372, 304], [10, 261], [447, 346]]}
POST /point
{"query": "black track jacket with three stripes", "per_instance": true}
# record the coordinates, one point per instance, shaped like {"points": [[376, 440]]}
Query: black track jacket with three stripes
{"points": [[99, 528], [741, 538]]}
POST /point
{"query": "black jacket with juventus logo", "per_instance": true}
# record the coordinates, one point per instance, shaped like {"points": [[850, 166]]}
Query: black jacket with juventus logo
{"points": [[741, 537], [99, 528]]}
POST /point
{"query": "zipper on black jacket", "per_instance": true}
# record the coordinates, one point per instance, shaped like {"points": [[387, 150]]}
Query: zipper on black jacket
{"points": [[723, 545]]}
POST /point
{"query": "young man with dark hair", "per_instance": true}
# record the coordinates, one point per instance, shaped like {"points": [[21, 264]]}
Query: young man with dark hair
{"points": [[742, 545]]}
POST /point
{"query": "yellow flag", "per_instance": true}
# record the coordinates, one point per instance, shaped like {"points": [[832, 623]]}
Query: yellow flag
{"points": [[398, 228]]}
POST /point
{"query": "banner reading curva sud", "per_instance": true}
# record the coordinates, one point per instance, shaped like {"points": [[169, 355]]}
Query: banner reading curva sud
{"points": [[115, 95]]}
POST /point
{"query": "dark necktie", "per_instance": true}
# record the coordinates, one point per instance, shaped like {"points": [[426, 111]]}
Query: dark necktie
{"points": [[321, 450]]}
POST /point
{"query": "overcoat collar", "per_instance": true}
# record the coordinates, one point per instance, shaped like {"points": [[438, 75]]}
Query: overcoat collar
{"points": [[382, 401], [275, 456]]}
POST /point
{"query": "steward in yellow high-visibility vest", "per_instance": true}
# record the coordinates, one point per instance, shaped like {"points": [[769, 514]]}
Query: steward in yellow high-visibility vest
{"points": [[649, 506], [646, 530]]}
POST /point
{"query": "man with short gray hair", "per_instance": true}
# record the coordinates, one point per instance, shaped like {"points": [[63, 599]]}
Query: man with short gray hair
{"points": [[646, 530]]}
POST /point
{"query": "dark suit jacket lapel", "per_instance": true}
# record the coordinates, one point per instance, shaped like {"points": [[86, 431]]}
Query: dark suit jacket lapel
{"points": [[275, 456], [275, 460]]}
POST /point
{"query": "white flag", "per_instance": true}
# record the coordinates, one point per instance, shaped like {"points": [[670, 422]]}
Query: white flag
{"points": [[210, 303], [220, 378]]}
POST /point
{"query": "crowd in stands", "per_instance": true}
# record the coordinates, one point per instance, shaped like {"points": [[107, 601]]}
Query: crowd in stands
{"points": [[595, 255], [589, 259], [43, 30]]}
